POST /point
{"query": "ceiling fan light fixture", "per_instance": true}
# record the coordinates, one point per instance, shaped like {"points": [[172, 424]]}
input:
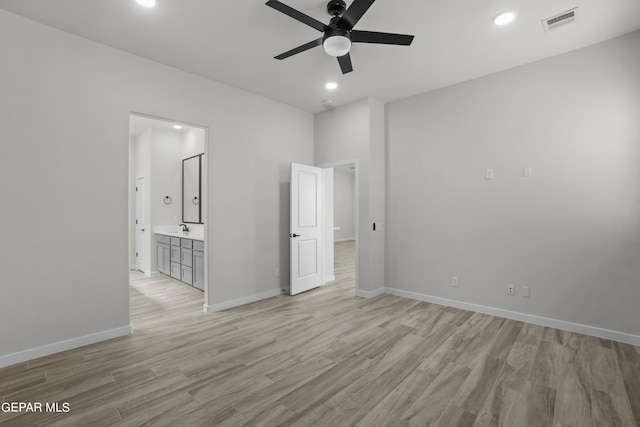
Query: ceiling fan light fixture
{"points": [[337, 45], [336, 42]]}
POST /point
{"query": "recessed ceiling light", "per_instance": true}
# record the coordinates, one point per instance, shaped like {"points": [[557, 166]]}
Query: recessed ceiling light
{"points": [[146, 3], [331, 85], [177, 127], [504, 18]]}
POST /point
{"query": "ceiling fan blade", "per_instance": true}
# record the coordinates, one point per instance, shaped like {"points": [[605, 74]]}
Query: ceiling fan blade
{"points": [[353, 14], [381, 38], [345, 63], [299, 16], [299, 49]]}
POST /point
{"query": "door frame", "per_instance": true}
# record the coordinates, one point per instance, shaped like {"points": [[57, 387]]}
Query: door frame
{"points": [[205, 213], [141, 265], [356, 163]]}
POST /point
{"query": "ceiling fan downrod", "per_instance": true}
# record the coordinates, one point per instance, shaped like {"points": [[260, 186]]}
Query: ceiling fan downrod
{"points": [[336, 8]]}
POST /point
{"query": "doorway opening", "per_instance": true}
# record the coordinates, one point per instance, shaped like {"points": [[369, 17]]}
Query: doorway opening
{"points": [[312, 232], [342, 238], [168, 202]]}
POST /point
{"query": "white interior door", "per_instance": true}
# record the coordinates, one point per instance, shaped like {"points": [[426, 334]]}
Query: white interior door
{"points": [[305, 231], [140, 227]]}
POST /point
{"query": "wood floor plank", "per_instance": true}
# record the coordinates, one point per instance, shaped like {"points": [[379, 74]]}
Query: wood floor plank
{"points": [[328, 358], [431, 404], [574, 396], [457, 417]]}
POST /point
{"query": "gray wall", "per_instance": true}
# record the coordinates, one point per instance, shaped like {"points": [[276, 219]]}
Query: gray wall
{"points": [[344, 205], [356, 132], [162, 156], [571, 231], [64, 114]]}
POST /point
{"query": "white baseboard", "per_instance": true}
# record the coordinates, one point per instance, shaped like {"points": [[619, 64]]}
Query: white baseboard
{"points": [[240, 301], [46, 350], [344, 240], [370, 294], [528, 318], [328, 279]]}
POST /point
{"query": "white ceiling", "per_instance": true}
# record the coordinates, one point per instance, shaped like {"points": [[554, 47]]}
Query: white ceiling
{"points": [[234, 42]]}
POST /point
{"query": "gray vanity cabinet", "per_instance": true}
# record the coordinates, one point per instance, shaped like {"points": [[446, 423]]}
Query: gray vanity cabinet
{"points": [[163, 251], [186, 260], [176, 269], [198, 264], [182, 259]]}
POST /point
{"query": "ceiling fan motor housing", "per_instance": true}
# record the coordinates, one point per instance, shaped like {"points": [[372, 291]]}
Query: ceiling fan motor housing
{"points": [[336, 7]]}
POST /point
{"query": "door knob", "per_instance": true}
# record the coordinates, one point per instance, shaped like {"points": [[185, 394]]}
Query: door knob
{"points": [[294, 235], [142, 229]]}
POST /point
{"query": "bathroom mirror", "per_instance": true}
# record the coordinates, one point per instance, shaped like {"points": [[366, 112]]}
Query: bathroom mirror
{"points": [[191, 190]]}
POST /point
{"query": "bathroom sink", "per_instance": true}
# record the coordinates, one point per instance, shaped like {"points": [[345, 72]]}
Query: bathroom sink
{"points": [[196, 234]]}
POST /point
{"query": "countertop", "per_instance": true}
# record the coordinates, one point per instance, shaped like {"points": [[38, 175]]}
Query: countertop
{"points": [[195, 233]]}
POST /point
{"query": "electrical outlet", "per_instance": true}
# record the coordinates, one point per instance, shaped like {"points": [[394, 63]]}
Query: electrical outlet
{"points": [[511, 289], [454, 281], [526, 291], [488, 174]]}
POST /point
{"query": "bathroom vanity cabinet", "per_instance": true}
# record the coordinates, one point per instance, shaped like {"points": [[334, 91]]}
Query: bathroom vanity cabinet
{"points": [[163, 252], [181, 258]]}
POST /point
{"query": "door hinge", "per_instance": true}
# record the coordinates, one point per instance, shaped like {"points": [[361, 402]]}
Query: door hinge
{"points": [[136, 221], [136, 254], [136, 188]]}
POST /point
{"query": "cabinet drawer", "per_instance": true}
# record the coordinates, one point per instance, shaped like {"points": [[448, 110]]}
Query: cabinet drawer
{"points": [[187, 257], [175, 241], [161, 238], [187, 275], [186, 243], [198, 245]]}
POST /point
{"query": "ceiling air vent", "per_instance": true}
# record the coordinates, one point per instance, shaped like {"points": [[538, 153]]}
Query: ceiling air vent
{"points": [[560, 19]]}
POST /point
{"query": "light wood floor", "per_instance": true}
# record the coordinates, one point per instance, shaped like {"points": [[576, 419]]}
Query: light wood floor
{"points": [[328, 358]]}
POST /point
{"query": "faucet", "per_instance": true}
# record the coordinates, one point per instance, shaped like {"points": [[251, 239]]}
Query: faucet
{"points": [[184, 227]]}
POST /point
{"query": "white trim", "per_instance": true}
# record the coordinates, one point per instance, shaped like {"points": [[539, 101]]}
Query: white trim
{"points": [[370, 294], [240, 301], [328, 279], [523, 317], [344, 240], [46, 350]]}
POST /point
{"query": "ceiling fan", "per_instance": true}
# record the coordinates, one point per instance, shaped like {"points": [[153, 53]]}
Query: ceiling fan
{"points": [[339, 33]]}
